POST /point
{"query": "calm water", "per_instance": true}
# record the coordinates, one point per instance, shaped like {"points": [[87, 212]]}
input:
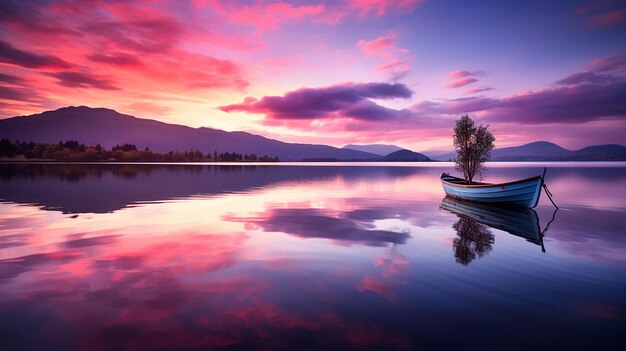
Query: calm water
{"points": [[138, 257]]}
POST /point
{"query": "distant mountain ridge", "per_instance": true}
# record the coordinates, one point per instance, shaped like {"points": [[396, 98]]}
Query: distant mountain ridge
{"points": [[406, 155], [546, 151], [377, 149], [108, 128]]}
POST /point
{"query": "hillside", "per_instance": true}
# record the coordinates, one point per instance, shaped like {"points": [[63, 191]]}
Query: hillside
{"points": [[377, 149], [406, 155], [108, 128]]}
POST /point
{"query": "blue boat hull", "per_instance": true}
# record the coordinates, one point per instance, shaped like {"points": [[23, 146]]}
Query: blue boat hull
{"points": [[523, 192]]}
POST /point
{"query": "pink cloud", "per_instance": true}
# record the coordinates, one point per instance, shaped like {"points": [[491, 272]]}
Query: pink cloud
{"points": [[457, 79], [376, 46], [458, 74], [461, 82], [140, 35], [607, 19], [140, 49], [381, 7], [268, 16], [396, 61]]}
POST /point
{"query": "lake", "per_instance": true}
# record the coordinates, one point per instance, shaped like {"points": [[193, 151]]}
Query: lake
{"points": [[307, 257]]}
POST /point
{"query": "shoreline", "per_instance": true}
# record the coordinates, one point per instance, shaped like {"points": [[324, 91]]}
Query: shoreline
{"points": [[618, 164]]}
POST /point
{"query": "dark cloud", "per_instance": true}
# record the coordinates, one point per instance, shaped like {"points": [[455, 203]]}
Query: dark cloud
{"points": [[13, 55], [119, 59], [15, 94], [342, 100], [7, 78], [27, 17], [83, 80]]}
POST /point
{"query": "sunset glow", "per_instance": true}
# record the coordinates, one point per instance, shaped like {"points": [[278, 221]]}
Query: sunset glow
{"points": [[329, 72]]}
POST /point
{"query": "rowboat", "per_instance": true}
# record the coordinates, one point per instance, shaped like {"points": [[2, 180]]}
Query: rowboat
{"points": [[515, 220], [524, 192]]}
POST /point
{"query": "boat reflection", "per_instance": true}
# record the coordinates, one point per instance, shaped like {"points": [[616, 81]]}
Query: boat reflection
{"points": [[475, 238]]}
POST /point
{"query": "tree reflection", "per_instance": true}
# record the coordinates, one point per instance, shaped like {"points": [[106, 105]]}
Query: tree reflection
{"points": [[474, 240]]}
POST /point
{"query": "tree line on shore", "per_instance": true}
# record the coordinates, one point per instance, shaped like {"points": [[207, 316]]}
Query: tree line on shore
{"points": [[72, 150]]}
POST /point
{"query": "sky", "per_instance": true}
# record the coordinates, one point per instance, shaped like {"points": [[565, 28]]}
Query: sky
{"points": [[328, 72]]}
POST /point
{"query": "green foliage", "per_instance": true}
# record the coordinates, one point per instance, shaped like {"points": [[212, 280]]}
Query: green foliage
{"points": [[473, 146], [72, 150]]}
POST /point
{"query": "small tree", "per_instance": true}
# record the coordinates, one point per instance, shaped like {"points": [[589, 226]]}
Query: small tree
{"points": [[473, 146]]}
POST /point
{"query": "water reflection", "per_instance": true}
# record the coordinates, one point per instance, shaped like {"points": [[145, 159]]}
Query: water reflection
{"points": [[65, 187], [104, 257], [474, 240], [515, 220], [318, 223]]}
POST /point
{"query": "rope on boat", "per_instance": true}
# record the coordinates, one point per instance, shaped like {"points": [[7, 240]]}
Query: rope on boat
{"points": [[549, 193], [545, 187]]}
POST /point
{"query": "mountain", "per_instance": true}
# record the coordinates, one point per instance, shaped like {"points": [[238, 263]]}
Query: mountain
{"points": [[377, 149], [443, 157], [609, 152], [406, 155], [546, 151], [107, 127], [537, 151], [434, 154]]}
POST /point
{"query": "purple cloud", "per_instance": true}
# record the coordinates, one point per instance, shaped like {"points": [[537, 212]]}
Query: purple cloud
{"points": [[11, 79], [479, 90], [561, 104], [579, 103], [83, 80], [587, 78], [597, 93], [607, 64], [15, 94], [12, 55], [27, 17], [343, 100]]}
